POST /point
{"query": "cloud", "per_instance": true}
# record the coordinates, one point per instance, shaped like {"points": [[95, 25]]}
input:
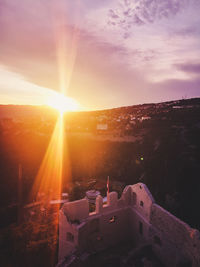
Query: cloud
{"points": [[141, 12], [28, 47], [193, 68], [184, 32]]}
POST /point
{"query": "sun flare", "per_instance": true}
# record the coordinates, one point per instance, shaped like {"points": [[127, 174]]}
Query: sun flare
{"points": [[63, 103]]}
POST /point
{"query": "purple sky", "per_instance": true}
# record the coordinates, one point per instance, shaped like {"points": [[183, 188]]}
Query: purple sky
{"points": [[105, 53]]}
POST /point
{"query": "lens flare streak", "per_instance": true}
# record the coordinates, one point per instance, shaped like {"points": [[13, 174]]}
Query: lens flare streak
{"points": [[48, 180]]}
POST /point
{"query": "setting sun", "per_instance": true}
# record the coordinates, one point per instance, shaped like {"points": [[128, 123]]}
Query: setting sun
{"points": [[63, 103]]}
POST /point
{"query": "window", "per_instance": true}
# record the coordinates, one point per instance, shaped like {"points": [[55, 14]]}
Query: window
{"points": [[70, 237], [133, 198], [157, 240], [141, 203], [113, 219], [140, 228]]}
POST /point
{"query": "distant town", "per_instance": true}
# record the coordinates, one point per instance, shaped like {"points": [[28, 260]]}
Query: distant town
{"points": [[118, 122]]}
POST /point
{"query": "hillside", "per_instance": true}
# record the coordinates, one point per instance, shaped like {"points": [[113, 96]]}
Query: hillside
{"points": [[157, 144]]}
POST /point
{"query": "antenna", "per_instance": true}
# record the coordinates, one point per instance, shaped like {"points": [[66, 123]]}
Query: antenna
{"points": [[108, 182]]}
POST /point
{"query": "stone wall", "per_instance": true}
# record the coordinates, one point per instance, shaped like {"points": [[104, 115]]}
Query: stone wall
{"points": [[66, 245], [144, 200], [175, 235], [139, 227]]}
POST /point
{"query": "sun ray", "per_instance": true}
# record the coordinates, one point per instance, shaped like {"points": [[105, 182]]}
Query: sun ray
{"points": [[49, 177], [66, 38], [62, 103], [48, 182]]}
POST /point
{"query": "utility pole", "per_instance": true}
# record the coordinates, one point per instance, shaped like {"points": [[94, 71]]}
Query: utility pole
{"points": [[19, 193]]}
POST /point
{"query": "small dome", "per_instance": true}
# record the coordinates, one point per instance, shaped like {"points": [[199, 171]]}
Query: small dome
{"points": [[92, 195]]}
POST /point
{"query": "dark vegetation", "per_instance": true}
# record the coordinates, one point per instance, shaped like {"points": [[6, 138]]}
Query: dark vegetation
{"points": [[165, 156]]}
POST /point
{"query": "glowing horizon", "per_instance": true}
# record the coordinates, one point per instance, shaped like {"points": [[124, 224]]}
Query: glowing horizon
{"points": [[62, 103]]}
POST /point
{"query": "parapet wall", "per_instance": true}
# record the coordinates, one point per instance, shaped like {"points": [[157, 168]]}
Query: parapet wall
{"points": [[105, 230]]}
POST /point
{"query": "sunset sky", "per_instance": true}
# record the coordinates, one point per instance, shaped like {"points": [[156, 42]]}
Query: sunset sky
{"points": [[103, 53]]}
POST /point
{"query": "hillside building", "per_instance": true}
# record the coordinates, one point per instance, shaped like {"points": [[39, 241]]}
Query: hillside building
{"points": [[102, 127], [136, 217]]}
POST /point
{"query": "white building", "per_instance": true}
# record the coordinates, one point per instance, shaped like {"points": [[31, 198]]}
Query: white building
{"points": [[136, 217], [102, 126]]}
